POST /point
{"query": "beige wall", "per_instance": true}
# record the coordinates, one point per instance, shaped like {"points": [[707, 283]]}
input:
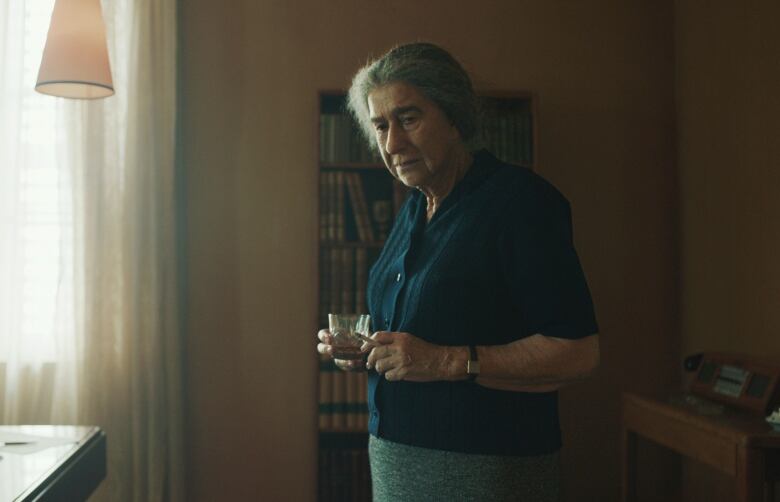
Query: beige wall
{"points": [[728, 91], [603, 72], [728, 95]]}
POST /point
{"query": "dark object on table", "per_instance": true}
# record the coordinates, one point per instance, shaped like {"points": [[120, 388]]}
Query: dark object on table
{"points": [[693, 361]]}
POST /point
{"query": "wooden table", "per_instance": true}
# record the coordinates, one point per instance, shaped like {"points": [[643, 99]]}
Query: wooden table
{"points": [[736, 443], [67, 463]]}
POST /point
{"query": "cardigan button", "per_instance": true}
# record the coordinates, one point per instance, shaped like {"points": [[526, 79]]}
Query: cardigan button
{"points": [[398, 277]]}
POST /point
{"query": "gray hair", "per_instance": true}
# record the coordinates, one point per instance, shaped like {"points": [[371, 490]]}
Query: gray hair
{"points": [[433, 71]]}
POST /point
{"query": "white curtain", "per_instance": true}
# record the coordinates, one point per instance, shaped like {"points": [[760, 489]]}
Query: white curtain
{"points": [[88, 297]]}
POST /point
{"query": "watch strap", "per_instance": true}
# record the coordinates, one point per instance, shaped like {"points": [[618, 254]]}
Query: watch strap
{"points": [[472, 365]]}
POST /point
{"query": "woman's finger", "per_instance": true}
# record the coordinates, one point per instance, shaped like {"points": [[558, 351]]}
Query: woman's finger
{"points": [[383, 365], [395, 361], [324, 348], [383, 336], [395, 375], [376, 354], [371, 359], [324, 336]]}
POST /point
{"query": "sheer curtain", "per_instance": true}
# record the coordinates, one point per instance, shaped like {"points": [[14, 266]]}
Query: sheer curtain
{"points": [[88, 331]]}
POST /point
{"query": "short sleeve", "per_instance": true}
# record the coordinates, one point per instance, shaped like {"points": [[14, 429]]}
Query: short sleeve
{"points": [[544, 277]]}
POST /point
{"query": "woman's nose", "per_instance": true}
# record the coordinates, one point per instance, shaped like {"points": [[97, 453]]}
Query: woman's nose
{"points": [[395, 140]]}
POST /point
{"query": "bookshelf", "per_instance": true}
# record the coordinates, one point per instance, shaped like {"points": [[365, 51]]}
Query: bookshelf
{"points": [[358, 200]]}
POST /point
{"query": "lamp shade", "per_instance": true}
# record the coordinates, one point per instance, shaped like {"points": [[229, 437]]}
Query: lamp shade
{"points": [[75, 58]]}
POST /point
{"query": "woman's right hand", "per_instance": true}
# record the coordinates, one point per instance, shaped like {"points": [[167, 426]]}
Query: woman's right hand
{"points": [[326, 347]]}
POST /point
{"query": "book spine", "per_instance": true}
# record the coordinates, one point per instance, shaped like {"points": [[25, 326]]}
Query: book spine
{"points": [[340, 206], [342, 127], [528, 124], [351, 384], [363, 208], [332, 137], [335, 280], [363, 401], [331, 198], [347, 280], [339, 399], [325, 393], [513, 142], [323, 207], [352, 189], [355, 478], [325, 288], [361, 272], [322, 478]]}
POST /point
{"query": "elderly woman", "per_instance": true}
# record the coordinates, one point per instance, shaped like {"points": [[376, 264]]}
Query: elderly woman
{"points": [[481, 307]]}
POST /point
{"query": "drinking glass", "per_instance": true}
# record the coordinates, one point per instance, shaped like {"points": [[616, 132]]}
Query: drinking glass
{"points": [[345, 328]]}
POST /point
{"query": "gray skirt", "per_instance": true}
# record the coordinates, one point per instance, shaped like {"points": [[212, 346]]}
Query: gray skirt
{"points": [[402, 473]]}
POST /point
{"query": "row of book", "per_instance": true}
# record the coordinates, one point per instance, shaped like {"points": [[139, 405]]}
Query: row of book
{"points": [[343, 277], [341, 141], [509, 136], [344, 475], [342, 398], [348, 212]]}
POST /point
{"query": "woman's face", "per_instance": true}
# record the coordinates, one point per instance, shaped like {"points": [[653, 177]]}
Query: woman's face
{"points": [[416, 139]]}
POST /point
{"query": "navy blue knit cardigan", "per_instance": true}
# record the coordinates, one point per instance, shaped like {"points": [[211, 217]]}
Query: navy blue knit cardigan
{"points": [[496, 263]]}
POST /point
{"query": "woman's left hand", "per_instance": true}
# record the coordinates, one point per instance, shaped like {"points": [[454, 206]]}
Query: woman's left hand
{"points": [[403, 356]]}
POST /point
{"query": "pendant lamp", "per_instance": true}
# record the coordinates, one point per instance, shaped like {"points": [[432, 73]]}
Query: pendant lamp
{"points": [[75, 59]]}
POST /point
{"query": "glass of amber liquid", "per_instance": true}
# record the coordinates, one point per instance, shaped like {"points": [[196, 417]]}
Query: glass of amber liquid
{"points": [[345, 328]]}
